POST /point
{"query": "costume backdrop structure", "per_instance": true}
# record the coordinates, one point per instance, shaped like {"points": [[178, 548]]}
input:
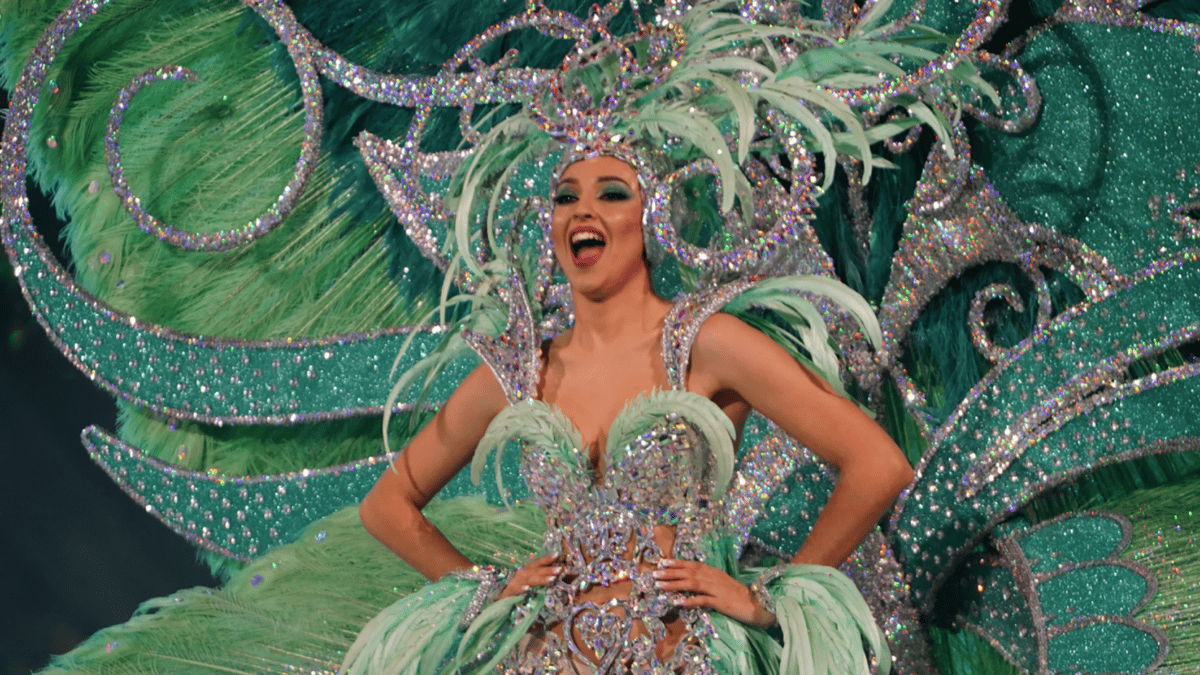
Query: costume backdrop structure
{"points": [[1032, 260]]}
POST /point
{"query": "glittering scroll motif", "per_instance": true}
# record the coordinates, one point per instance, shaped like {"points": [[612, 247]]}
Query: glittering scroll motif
{"points": [[412, 206], [211, 380], [682, 325], [239, 517], [1056, 598], [281, 19], [217, 380], [1062, 403], [975, 228], [515, 355]]}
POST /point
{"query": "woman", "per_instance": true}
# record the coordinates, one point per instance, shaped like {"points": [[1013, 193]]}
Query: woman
{"points": [[590, 372]]}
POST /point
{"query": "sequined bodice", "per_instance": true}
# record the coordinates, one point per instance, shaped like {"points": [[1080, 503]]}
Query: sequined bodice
{"points": [[658, 470], [667, 462]]}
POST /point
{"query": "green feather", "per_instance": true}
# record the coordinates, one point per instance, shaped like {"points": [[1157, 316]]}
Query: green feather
{"points": [[710, 421], [533, 421]]}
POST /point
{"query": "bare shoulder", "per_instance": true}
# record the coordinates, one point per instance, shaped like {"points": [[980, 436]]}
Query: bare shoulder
{"points": [[731, 354], [726, 339], [725, 347], [479, 395], [719, 328]]}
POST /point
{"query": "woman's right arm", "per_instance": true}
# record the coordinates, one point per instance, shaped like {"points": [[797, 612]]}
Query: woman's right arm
{"points": [[391, 511]]}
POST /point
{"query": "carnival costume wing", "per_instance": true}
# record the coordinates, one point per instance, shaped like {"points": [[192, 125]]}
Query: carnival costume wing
{"points": [[242, 284]]}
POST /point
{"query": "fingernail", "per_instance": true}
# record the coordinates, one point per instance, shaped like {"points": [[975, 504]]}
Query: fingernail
{"points": [[525, 589], [556, 570], [660, 584], [658, 574]]}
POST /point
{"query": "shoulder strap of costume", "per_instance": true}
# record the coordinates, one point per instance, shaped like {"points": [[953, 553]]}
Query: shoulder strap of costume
{"points": [[514, 356], [683, 324]]}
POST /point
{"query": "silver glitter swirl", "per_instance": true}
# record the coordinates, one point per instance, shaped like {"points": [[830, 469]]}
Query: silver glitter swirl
{"points": [[1077, 409], [212, 380], [976, 227], [978, 324], [280, 18], [1004, 119]]}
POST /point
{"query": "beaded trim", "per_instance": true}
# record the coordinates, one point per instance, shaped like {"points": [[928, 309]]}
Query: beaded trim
{"points": [[492, 581], [759, 586]]}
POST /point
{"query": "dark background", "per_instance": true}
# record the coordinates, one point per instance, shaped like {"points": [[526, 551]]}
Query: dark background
{"points": [[76, 553]]}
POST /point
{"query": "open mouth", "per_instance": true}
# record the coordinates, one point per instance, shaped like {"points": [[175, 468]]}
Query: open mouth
{"points": [[587, 245]]}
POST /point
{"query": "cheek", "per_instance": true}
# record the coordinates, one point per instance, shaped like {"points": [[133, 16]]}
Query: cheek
{"points": [[631, 222], [558, 225]]}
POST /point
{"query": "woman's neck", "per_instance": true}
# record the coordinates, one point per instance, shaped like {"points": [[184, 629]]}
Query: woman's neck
{"points": [[625, 315]]}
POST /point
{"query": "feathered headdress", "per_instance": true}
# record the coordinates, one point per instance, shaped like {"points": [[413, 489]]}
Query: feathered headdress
{"points": [[702, 102], [703, 92]]}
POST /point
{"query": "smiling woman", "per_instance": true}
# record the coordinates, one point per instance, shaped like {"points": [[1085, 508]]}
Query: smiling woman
{"points": [[629, 413], [627, 461], [675, 441], [596, 200], [597, 218]]}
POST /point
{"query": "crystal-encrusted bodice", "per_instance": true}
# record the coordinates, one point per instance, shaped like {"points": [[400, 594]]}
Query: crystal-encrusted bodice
{"points": [[659, 469], [667, 460]]}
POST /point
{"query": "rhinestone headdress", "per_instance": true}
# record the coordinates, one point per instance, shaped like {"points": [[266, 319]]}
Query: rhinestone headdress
{"points": [[702, 101]]}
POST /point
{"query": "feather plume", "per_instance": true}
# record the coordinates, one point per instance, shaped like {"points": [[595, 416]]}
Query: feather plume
{"points": [[710, 421]]}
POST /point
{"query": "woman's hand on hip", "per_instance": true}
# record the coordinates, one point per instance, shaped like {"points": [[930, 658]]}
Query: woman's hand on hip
{"points": [[537, 572], [707, 586]]}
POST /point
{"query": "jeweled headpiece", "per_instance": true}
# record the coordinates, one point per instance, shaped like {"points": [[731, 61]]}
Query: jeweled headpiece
{"points": [[699, 102]]}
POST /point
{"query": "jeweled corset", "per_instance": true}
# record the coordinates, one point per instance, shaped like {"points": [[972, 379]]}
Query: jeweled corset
{"points": [[668, 462], [658, 469], [659, 473]]}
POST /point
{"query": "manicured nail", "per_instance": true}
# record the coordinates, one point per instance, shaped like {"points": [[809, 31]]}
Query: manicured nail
{"points": [[660, 584], [658, 574]]}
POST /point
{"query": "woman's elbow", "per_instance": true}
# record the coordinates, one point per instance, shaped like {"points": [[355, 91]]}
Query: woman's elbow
{"points": [[899, 474], [369, 515]]}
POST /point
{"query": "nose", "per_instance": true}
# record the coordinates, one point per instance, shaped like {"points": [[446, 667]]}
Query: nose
{"points": [[585, 208]]}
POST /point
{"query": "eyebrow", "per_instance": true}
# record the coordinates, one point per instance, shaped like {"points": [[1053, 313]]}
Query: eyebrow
{"points": [[599, 179]]}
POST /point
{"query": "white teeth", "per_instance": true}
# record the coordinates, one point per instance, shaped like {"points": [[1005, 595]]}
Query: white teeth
{"points": [[586, 235]]}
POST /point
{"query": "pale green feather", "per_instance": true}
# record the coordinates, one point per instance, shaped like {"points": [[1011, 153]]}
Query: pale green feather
{"points": [[533, 421], [496, 620], [809, 92], [966, 73], [743, 108], [487, 317], [872, 16], [821, 615], [937, 123], [834, 290], [710, 421], [780, 295]]}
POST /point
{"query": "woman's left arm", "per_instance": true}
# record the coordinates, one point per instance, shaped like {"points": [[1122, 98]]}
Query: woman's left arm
{"points": [[732, 361], [730, 356]]}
